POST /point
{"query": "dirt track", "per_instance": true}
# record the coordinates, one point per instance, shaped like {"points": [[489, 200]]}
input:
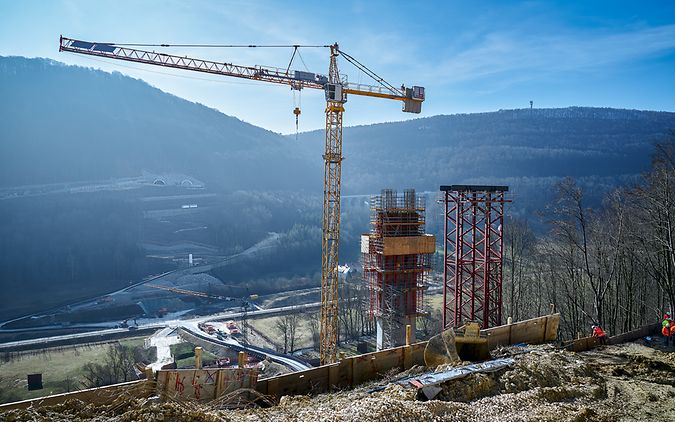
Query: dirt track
{"points": [[627, 382]]}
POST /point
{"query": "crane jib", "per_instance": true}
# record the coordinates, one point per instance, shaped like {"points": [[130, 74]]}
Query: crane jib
{"points": [[261, 73], [412, 97]]}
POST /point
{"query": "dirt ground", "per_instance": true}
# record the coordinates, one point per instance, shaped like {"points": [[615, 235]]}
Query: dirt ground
{"points": [[616, 383]]}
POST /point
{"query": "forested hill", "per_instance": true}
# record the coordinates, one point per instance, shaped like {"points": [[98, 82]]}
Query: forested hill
{"points": [[528, 149], [67, 123]]}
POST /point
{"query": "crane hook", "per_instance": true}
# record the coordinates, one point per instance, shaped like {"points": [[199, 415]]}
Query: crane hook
{"points": [[297, 112]]}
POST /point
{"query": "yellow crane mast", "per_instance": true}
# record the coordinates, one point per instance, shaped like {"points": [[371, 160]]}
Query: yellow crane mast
{"points": [[330, 242], [336, 89]]}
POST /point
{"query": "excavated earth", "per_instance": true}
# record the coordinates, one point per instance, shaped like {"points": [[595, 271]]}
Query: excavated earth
{"points": [[629, 382]]}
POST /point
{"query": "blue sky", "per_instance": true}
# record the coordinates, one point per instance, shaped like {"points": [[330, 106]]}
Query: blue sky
{"points": [[471, 56]]}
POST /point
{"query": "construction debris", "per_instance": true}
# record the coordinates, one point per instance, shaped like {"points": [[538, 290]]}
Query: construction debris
{"points": [[452, 345]]}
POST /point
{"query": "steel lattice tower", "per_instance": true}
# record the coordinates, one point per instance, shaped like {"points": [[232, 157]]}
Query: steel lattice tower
{"points": [[473, 245], [331, 221]]}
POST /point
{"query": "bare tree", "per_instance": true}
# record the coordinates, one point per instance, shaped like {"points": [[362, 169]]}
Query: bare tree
{"points": [[518, 245], [655, 208], [590, 240], [287, 326], [117, 366], [351, 309], [313, 323]]}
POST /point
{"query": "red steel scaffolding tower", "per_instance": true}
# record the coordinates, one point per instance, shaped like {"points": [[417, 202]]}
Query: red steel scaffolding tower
{"points": [[396, 260], [473, 244]]}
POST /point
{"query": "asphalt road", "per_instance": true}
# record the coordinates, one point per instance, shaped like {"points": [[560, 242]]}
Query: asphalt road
{"points": [[191, 325]]}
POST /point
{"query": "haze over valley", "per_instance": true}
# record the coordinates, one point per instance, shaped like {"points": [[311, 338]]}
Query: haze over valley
{"points": [[106, 180]]}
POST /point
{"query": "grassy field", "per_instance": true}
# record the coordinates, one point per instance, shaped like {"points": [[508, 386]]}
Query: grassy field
{"points": [[61, 369], [268, 326]]}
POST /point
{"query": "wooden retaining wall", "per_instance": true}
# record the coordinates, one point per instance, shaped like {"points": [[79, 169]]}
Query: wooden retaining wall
{"points": [[100, 395], [531, 331], [355, 370], [346, 373], [203, 384], [587, 343]]}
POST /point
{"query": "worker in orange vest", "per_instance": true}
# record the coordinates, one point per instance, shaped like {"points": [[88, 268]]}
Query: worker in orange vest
{"points": [[667, 329], [599, 334]]}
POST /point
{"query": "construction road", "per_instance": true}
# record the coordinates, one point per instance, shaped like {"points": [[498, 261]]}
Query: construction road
{"points": [[190, 325]]}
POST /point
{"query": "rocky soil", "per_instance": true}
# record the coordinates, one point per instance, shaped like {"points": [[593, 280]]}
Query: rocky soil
{"points": [[616, 383]]}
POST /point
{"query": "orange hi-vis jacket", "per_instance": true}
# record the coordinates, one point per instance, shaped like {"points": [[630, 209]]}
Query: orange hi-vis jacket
{"points": [[597, 332], [667, 330]]}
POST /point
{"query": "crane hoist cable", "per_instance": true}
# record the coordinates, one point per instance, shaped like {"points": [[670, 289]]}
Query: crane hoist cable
{"points": [[296, 110], [296, 106]]}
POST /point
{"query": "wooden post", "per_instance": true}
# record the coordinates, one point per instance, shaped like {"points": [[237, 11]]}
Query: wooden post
{"points": [[242, 360], [407, 357], [150, 380], [273, 386], [333, 375], [407, 349], [342, 355], [198, 357], [220, 383]]}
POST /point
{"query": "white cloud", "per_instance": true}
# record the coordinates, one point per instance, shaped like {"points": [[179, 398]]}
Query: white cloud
{"points": [[502, 52]]}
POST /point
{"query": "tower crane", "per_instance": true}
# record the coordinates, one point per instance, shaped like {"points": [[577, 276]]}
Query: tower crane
{"points": [[336, 88]]}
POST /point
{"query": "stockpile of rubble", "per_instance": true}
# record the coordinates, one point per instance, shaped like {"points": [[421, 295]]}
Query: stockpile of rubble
{"points": [[628, 382]]}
